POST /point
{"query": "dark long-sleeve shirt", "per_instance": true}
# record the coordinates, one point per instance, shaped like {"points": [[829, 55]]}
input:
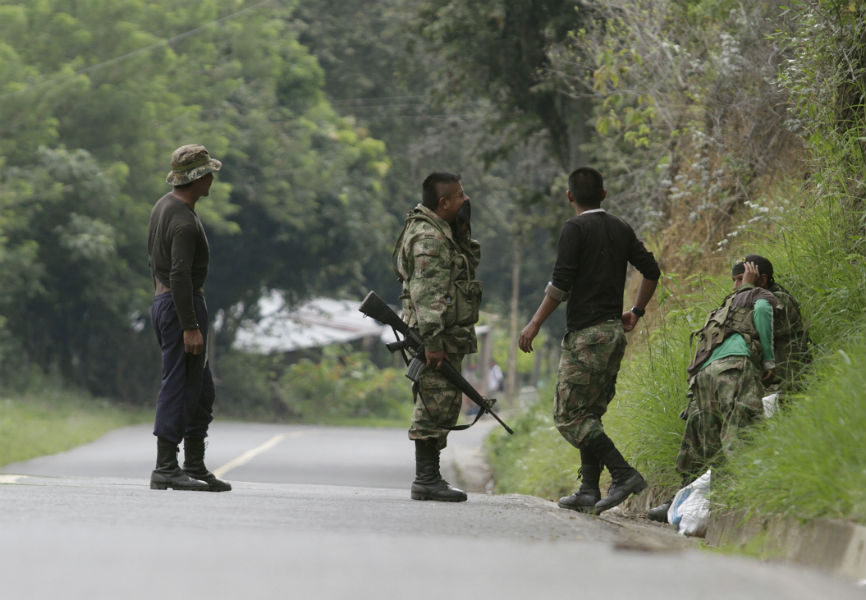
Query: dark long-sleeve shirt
{"points": [[592, 256], [178, 253]]}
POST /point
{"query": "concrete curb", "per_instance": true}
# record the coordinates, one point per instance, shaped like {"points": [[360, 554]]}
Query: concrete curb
{"points": [[829, 544], [835, 546]]}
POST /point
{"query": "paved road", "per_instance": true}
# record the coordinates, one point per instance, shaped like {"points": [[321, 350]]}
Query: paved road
{"points": [[324, 513]]}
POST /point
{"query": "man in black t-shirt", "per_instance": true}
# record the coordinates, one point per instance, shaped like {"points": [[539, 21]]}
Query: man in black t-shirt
{"points": [[178, 253], [592, 256]]}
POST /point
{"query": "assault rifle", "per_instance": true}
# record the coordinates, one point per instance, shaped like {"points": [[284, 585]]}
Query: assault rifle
{"points": [[374, 306]]}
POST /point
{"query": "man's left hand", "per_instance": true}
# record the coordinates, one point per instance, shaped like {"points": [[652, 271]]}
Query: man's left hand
{"points": [[629, 320]]}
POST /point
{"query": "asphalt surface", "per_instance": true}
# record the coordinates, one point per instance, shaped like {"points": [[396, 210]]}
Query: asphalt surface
{"points": [[322, 512]]}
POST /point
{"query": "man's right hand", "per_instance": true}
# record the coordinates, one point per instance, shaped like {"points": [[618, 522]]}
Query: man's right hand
{"points": [[193, 341], [434, 359], [527, 335]]}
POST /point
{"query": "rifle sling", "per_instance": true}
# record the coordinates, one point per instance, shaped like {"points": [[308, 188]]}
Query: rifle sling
{"points": [[416, 394]]}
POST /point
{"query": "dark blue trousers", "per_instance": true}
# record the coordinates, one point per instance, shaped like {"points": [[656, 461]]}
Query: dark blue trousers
{"points": [[184, 407]]}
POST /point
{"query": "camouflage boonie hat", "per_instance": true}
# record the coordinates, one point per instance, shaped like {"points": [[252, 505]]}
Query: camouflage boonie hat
{"points": [[191, 162]]}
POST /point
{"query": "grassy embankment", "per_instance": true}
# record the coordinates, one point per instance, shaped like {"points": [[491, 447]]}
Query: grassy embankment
{"points": [[808, 461], [48, 419]]}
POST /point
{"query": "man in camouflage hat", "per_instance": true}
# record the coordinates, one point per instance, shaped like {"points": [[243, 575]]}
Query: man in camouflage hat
{"points": [[734, 360], [593, 253], [436, 260], [179, 254]]}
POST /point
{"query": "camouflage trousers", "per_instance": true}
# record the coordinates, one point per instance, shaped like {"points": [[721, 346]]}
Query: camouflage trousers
{"points": [[438, 406], [727, 396], [587, 380]]}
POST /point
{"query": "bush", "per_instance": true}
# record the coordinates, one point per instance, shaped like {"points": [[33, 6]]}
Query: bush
{"points": [[343, 385]]}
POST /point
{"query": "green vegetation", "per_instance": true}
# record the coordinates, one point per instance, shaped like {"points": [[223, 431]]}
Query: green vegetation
{"points": [[48, 419], [721, 127], [341, 387], [808, 460]]}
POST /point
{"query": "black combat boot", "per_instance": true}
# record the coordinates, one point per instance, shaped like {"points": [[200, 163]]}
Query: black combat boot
{"points": [[659, 513], [168, 474], [625, 478], [428, 484], [193, 465], [588, 494]]}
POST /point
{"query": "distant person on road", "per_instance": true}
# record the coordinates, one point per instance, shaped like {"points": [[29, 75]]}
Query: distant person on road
{"points": [[179, 254], [436, 260], [495, 377], [593, 253], [734, 360]]}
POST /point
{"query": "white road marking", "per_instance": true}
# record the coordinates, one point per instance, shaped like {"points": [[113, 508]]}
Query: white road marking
{"points": [[10, 478], [251, 454]]}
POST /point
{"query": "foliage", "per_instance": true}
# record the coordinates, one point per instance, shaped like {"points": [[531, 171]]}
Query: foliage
{"points": [[536, 460], [91, 116], [498, 50], [812, 229], [72, 418], [430, 125], [685, 105], [342, 385], [808, 460]]}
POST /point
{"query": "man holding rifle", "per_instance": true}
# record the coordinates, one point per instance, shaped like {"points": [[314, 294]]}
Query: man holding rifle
{"points": [[436, 261]]}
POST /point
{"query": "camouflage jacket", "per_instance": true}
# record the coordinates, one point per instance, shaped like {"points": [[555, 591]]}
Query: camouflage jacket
{"points": [[440, 295]]}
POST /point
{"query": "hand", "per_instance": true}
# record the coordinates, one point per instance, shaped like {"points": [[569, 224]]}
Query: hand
{"points": [[751, 273], [768, 377], [526, 336], [193, 341], [629, 320], [434, 359]]}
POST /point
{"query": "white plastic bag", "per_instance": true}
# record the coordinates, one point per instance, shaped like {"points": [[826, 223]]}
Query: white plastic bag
{"points": [[771, 403], [690, 509]]}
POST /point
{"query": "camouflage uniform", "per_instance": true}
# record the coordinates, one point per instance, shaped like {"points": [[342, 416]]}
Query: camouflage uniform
{"points": [[587, 379], [727, 391], [441, 299], [727, 396]]}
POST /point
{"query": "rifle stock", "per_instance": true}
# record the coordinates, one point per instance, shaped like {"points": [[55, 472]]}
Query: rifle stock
{"points": [[374, 306]]}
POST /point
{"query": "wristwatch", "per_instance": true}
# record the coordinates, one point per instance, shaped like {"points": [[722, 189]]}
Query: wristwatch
{"points": [[638, 311]]}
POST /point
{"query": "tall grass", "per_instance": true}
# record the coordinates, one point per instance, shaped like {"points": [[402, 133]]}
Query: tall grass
{"points": [[536, 460], [47, 419], [809, 460]]}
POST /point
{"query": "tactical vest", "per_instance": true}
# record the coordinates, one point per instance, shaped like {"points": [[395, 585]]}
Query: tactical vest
{"points": [[464, 292], [735, 315]]}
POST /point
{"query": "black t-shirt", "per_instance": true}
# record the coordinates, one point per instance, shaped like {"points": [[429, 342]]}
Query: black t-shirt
{"points": [[179, 253], [593, 253]]}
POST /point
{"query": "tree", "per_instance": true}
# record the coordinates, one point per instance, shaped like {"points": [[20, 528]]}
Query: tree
{"points": [[91, 115]]}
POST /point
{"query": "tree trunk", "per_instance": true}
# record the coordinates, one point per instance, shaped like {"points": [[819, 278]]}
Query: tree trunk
{"points": [[511, 381]]}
